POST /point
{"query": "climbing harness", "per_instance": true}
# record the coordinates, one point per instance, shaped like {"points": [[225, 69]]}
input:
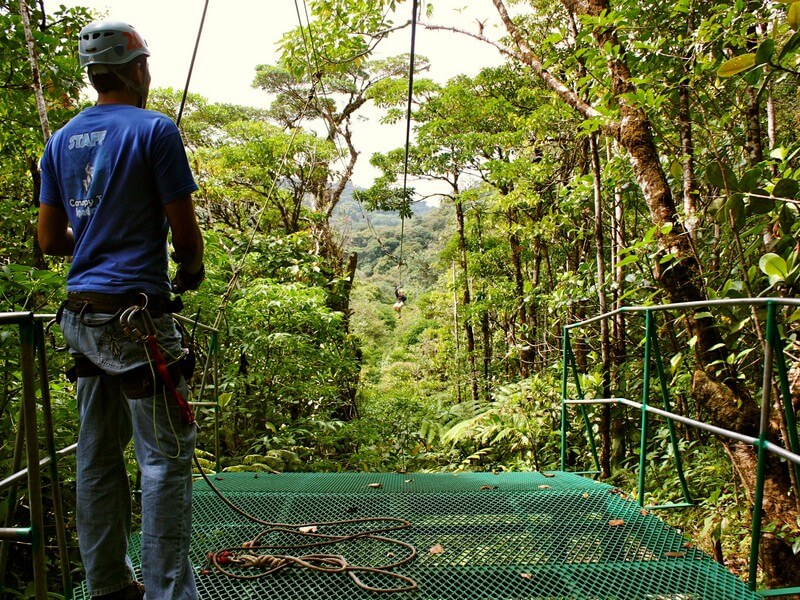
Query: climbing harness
{"points": [[135, 318], [147, 334]]}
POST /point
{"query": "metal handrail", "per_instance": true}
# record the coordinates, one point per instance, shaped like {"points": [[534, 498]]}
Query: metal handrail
{"points": [[32, 337], [18, 476], [684, 306], [772, 347]]}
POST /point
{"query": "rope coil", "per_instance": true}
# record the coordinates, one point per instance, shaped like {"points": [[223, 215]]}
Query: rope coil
{"points": [[239, 562]]}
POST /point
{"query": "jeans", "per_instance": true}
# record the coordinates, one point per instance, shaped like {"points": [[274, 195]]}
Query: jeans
{"points": [[164, 447]]}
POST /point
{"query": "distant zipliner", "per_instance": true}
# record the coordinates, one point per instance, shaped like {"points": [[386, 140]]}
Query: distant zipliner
{"points": [[401, 300]]}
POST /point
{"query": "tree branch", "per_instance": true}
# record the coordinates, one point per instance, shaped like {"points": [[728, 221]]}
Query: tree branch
{"points": [[529, 57]]}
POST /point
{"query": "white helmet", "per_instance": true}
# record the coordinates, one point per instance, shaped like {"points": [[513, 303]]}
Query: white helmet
{"points": [[110, 43]]}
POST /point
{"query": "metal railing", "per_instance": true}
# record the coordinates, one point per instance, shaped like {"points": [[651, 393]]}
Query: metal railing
{"points": [[774, 360], [32, 344], [33, 362]]}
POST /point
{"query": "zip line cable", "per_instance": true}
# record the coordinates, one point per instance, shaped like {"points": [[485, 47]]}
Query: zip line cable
{"points": [[412, 55], [312, 58], [191, 64], [356, 195], [240, 266], [311, 50]]}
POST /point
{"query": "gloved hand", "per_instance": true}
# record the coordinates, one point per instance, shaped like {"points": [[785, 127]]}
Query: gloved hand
{"points": [[184, 281]]}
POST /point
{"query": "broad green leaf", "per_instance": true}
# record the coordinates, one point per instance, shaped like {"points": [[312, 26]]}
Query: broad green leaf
{"points": [[774, 266], [780, 152], [732, 289], [714, 175], [736, 206], [765, 51], [720, 175], [786, 188], [631, 258], [749, 180], [737, 64], [759, 203], [794, 15], [753, 76], [786, 218], [790, 46], [676, 169]]}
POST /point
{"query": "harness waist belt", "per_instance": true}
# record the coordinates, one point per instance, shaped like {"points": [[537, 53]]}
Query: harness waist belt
{"points": [[96, 302]]}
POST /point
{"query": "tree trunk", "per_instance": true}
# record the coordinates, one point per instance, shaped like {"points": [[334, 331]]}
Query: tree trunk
{"points": [[618, 353], [687, 150], [525, 346], [467, 299], [605, 341], [754, 144]]}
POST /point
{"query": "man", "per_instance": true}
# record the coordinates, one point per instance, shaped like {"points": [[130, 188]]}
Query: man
{"points": [[115, 182], [401, 300]]}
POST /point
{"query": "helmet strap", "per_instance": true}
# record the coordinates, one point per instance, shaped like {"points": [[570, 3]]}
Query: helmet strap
{"points": [[141, 89]]}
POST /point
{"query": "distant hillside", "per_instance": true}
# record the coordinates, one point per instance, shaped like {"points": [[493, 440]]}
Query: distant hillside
{"points": [[351, 215], [375, 236]]}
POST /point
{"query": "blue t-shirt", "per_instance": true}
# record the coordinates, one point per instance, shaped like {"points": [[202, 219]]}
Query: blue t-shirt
{"points": [[112, 168]]}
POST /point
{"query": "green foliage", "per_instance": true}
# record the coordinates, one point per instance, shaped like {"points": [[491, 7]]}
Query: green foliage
{"points": [[518, 429], [21, 141], [765, 53], [316, 375]]}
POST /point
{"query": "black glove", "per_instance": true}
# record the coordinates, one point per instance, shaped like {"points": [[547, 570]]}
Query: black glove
{"points": [[184, 280]]}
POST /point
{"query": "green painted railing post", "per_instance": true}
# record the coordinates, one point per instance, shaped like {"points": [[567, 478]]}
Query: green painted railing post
{"points": [[758, 499], [11, 500], [786, 394], [673, 435], [648, 324], [581, 408], [26, 334], [213, 348], [564, 377], [55, 481]]}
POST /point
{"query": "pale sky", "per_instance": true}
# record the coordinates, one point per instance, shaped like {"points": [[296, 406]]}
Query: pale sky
{"points": [[240, 34]]}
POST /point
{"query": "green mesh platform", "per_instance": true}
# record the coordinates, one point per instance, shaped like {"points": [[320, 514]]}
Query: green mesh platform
{"points": [[509, 536]]}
